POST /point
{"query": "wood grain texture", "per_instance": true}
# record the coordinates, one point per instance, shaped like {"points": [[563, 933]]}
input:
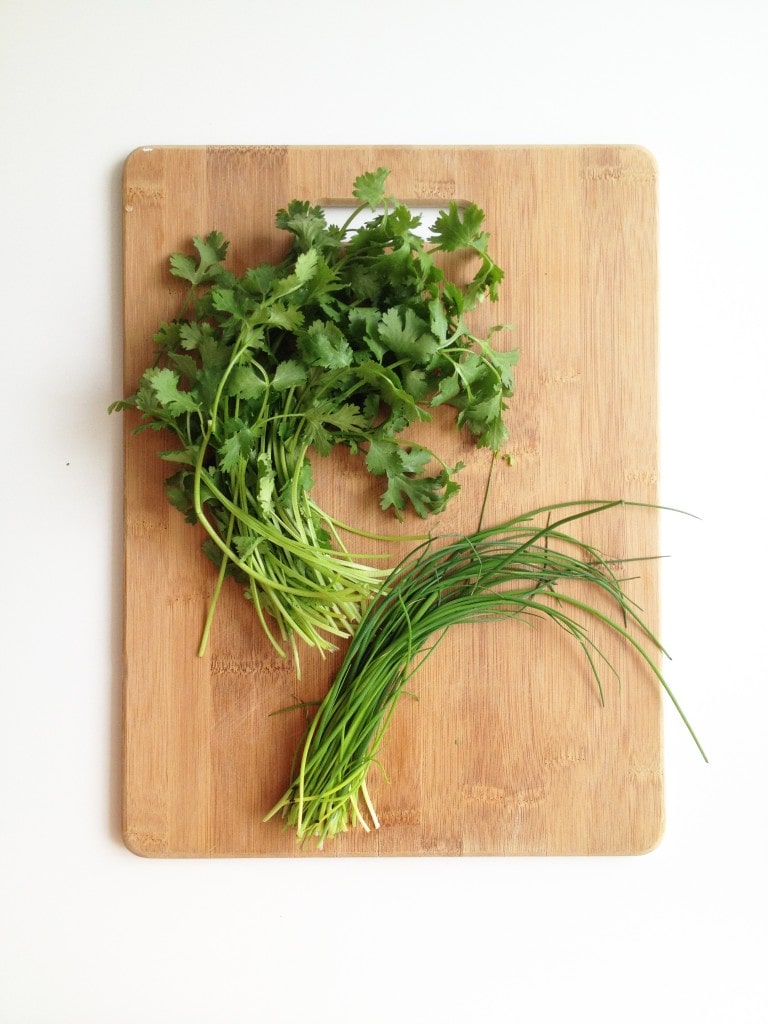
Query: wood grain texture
{"points": [[508, 750]]}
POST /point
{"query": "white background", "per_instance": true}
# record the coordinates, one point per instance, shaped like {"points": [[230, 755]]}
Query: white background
{"points": [[91, 933]]}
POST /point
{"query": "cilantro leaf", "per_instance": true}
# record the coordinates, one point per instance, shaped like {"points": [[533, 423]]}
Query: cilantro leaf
{"points": [[177, 492], [259, 280], [384, 457], [459, 228], [404, 468], [265, 491], [289, 374], [407, 335], [504, 362], [225, 300], [386, 382], [483, 417], [245, 383], [318, 436], [167, 336], [453, 298], [186, 456], [363, 324], [416, 384], [415, 459], [485, 281], [308, 225], [448, 389], [211, 251], [184, 267], [214, 353], [347, 419], [438, 321], [306, 265], [495, 435], [427, 495], [191, 334], [324, 345], [369, 187], [185, 364], [165, 385], [290, 318], [235, 447]]}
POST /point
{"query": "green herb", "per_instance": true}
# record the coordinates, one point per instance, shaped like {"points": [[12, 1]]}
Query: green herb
{"points": [[350, 340], [509, 571]]}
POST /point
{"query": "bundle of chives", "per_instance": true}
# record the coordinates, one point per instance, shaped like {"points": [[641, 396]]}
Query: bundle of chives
{"points": [[502, 572]]}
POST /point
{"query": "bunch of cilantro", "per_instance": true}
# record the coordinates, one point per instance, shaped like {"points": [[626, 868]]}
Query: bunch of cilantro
{"points": [[349, 340]]}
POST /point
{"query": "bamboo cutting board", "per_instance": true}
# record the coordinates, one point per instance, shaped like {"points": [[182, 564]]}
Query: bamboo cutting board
{"points": [[508, 749]]}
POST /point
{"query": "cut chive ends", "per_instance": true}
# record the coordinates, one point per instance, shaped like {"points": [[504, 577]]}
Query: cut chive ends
{"points": [[508, 571]]}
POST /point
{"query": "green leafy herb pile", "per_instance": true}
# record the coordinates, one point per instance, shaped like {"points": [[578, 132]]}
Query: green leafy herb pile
{"points": [[350, 340], [514, 570]]}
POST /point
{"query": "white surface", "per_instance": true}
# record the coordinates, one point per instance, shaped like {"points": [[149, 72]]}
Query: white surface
{"points": [[91, 934]]}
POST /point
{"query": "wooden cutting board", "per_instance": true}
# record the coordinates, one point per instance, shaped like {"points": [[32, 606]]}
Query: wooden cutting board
{"points": [[508, 750]]}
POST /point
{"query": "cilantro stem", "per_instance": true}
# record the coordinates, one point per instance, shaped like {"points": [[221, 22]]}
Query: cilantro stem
{"points": [[353, 216], [221, 576]]}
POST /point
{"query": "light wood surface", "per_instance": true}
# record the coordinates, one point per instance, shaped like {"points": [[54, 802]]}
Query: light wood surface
{"points": [[508, 749]]}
